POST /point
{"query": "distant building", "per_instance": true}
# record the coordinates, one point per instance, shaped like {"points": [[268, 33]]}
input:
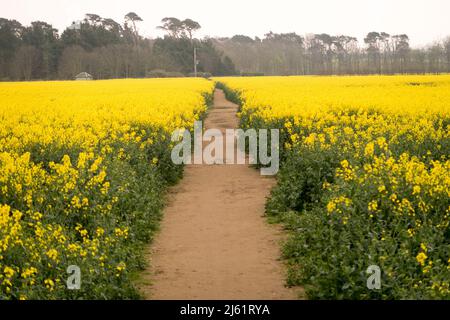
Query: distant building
{"points": [[84, 76], [76, 25]]}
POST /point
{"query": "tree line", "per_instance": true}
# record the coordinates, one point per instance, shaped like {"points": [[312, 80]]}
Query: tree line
{"points": [[323, 54], [108, 49]]}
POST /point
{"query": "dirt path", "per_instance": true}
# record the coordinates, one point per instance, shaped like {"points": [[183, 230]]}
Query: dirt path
{"points": [[214, 242]]}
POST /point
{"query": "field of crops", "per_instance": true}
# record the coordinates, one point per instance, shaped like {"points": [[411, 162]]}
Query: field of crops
{"points": [[364, 180], [83, 167]]}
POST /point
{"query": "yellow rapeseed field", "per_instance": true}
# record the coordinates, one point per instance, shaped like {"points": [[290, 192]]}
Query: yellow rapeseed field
{"points": [[82, 169], [365, 177], [83, 113]]}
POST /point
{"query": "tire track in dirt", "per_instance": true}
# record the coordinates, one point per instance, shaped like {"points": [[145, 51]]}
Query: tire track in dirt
{"points": [[214, 242]]}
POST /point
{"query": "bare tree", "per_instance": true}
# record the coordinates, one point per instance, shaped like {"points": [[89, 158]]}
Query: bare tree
{"points": [[447, 52], [25, 61], [73, 61]]}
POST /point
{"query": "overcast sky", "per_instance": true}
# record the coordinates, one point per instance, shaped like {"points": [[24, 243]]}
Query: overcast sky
{"points": [[423, 20]]}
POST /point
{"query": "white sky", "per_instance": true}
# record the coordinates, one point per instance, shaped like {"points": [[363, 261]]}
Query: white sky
{"points": [[423, 20]]}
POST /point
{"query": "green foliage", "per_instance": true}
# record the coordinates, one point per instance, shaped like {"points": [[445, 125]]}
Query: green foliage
{"points": [[252, 74], [231, 95], [133, 203], [177, 54], [159, 73], [347, 207], [330, 252], [301, 179]]}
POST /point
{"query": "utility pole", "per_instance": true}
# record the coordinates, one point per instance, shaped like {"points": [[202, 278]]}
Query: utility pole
{"points": [[195, 62]]}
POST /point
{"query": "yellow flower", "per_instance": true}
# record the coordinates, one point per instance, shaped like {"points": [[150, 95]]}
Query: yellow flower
{"points": [[368, 151], [100, 232], [421, 257], [85, 202], [121, 232], [49, 284], [9, 272], [331, 206], [52, 254], [75, 202], [423, 247], [120, 268], [373, 206], [29, 272], [428, 267]]}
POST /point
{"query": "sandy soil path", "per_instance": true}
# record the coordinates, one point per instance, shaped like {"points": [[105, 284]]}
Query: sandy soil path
{"points": [[214, 242]]}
